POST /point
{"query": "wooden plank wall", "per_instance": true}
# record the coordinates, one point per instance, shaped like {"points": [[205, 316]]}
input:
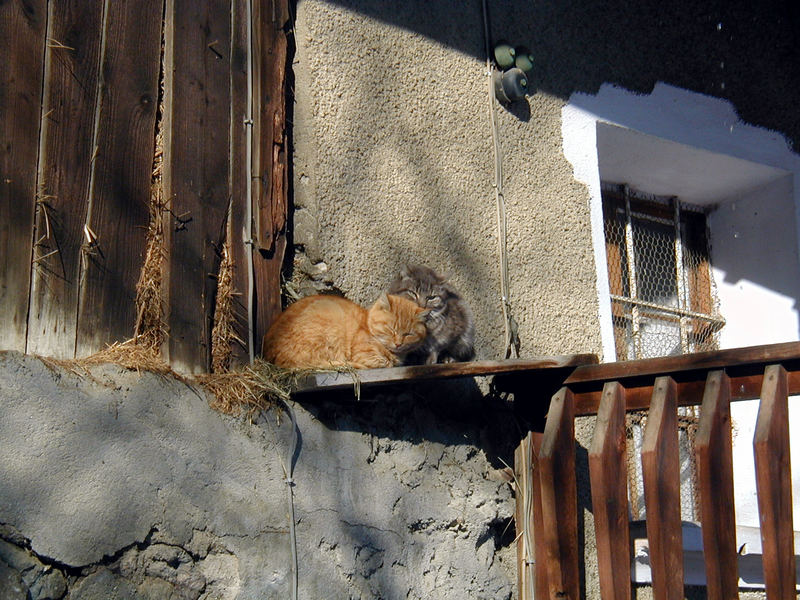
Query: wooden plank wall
{"points": [[22, 39], [79, 108]]}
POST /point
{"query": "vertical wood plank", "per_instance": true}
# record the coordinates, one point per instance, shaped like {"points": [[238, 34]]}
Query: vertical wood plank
{"points": [[661, 474], [714, 458], [272, 161], [541, 583], [774, 485], [22, 42], [73, 59], [240, 173], [196, 156], [608, 475], [523, 473], [119, 210], [559, 498]]}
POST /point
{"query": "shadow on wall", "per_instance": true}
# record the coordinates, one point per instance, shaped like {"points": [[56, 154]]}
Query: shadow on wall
{"points": [[748, 53]]}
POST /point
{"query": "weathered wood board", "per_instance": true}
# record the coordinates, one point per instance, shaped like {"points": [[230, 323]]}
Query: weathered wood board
{"points": [[119, 210], [72, 64], [197, 171]]}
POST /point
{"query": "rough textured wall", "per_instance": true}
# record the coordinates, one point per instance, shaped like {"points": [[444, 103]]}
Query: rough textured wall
{"points": [[121, 486], [392, 142], [393, 162]]}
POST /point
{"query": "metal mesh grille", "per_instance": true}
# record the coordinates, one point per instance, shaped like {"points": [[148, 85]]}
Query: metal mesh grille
{"points": [[661, 287], [663, 304]]}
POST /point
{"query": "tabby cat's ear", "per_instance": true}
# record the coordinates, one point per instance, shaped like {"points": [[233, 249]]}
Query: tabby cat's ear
{"points": [[404, 271], [383, 301]]}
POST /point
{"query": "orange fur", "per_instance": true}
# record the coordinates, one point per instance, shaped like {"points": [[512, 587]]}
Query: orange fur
{"points": [[319, 332]]}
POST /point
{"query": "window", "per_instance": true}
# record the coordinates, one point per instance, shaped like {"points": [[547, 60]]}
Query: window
{"points": [[659, 275], [661, 304]]}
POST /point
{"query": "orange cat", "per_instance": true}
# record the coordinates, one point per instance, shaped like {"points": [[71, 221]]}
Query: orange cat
{"points": [[319, 332]]}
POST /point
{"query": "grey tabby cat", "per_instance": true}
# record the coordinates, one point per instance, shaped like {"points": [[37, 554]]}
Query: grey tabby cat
{"points": [[451, 333]]}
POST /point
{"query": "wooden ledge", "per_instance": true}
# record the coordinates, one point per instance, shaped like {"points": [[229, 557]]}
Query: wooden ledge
{"points": [[368, 378]]}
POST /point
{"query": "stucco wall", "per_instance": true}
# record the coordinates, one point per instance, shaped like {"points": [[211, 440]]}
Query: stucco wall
{"points": [[393, 162], [115, 485]]}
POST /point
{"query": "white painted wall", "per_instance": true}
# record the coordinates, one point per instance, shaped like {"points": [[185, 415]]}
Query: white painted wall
{"points": [[757, 272], [752, 179]]}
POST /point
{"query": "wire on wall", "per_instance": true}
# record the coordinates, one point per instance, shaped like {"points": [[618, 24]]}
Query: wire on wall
{"points": [[511, 338]]}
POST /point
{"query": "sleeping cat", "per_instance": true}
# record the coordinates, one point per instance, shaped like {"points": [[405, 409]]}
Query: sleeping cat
{"points": [[323, 331], [451, 333]]}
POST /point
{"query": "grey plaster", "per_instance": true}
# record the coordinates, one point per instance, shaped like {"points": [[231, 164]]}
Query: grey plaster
{"points": [[114, 480]]}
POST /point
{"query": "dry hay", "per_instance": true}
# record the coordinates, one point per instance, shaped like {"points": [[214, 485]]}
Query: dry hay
{"points": [[259, 386], [129, 354], [223, 335]]}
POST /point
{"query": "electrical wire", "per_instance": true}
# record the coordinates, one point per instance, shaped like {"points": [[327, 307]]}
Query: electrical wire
{"points": [[288, 470], [511, 338], [248, 234]]}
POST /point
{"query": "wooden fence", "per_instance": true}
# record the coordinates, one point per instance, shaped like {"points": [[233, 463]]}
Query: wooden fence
{"points": [[85, 87], [550, 565]]}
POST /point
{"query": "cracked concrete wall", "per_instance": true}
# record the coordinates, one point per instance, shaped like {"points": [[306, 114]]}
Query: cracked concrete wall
{"points": [[120, 485]]}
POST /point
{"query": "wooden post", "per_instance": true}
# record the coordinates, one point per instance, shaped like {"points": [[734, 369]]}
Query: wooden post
{"points": [[523, 515], [608, 473], [774, 485], [661, 474], [560, 499], [713, 451]]}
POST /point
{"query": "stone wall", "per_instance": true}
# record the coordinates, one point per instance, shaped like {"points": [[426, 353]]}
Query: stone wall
{"points": [[124, 485]]}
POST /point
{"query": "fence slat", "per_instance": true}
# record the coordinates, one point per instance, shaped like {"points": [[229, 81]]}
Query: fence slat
{"points": [[523, 514], [73, 59], [22, 39], [661, 474], [713, 452], [608, 474], [240, 173], [196, 171], [540, 584], [271, 191], [122, 170], [559, 498], [774, 485]]}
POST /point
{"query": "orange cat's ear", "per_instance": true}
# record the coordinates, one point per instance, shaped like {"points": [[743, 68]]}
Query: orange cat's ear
{"points": [[383, 302], [423, 314]]}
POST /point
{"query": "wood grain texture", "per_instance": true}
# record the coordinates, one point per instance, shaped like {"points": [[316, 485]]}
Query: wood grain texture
{"points": [[744, 366], [541, 584], [559, 499], [197, 161], [714, 459], [322, 381], [661, 474], [608, 474], [239, 175], [73, 61], [272, 166], [523, 516], [22, 45], [119, 211], [774, 485]]}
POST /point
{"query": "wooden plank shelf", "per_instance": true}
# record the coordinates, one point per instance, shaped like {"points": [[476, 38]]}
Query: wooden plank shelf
{"points": [[368, 378]]}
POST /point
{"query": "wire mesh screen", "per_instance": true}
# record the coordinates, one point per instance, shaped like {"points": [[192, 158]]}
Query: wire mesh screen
{"points": [[659, 275], [663, 304]]}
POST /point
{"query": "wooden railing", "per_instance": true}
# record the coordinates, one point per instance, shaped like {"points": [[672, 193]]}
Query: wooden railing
{"points": [[548, 548]]}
